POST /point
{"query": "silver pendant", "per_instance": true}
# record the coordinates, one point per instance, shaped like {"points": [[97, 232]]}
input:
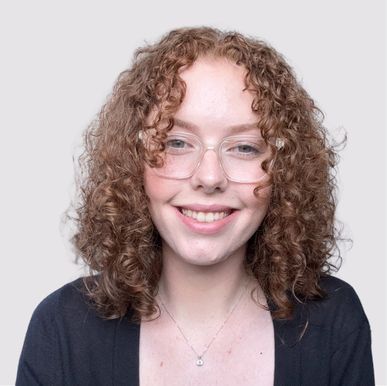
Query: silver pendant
{"points": [[199, 362]]}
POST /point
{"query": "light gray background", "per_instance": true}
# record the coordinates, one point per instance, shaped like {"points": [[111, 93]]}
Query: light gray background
{"points": [[59, 60]]}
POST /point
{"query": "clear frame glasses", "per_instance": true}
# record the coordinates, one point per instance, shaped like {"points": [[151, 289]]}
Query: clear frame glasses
{"points": [[240, 156]]}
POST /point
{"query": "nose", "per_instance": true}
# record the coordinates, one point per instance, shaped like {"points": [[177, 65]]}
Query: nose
{"points": [[209, 176]]}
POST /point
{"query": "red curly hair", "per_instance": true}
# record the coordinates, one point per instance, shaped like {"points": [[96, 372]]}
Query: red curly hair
{"points": [[115, 235]]}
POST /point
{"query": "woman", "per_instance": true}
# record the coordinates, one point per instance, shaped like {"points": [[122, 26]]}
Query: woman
{"points": [[207, 221]]}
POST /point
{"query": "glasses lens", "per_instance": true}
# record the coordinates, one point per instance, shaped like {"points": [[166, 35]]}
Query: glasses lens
{"points": [[242, 158], [180, 157]]}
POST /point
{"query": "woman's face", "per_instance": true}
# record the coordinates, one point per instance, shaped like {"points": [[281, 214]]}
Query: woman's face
{"points": [[181, 208]]}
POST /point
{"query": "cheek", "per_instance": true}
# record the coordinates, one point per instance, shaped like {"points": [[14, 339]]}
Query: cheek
{"points": [[159, 190], [152, 184]]}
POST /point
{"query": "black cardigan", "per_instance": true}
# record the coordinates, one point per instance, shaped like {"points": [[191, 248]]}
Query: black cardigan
{"points": [[67, 343]]}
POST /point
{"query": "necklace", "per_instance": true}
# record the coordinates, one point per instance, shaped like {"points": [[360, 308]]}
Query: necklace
{"points": [[199, 357]]}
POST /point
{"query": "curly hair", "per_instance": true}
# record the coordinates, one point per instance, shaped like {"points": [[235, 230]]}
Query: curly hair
{"points": [[115, 236]]}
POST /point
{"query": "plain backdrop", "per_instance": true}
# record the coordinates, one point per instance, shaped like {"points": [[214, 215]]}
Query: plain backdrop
{"points": [[59, 60]]}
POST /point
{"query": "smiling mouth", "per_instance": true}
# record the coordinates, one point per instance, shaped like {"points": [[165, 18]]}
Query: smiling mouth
{"points": [[205, 217]]}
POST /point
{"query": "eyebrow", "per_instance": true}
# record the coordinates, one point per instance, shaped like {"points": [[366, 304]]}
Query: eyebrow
{"points": [[233, 129]]}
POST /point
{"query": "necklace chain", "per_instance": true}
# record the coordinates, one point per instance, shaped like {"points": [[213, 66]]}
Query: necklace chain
{"points": [[199, 360]]}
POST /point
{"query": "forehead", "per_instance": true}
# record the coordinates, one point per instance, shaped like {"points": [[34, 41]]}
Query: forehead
{"points": [[216, 97], [214, 85]]}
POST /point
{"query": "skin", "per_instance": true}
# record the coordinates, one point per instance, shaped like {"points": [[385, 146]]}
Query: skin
{"points": [[203, 274]]}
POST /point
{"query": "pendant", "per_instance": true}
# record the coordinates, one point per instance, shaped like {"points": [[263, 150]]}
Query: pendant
{"points": [[199, 362]]}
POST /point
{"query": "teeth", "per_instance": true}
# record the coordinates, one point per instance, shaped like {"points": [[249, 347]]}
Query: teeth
{"points": [[205, 216]]}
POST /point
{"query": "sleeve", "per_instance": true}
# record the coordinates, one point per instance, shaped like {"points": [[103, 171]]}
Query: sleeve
{"points": [[351, 362], [39, 360]]}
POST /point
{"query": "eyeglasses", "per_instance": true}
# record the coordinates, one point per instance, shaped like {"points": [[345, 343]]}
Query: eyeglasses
{"points": [[240, 156]]}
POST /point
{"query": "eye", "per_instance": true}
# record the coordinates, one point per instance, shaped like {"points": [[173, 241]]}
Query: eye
{"points": [[175, 144], [179, 145], [246, 149]]}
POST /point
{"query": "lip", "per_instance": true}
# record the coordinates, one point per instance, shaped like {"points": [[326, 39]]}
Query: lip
{"points": [[207, 208], [204, 228]]}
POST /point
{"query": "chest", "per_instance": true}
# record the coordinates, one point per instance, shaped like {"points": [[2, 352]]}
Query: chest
{"points": [[243, 354]]}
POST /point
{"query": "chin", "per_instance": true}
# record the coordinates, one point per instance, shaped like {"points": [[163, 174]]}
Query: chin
{"points": [[203, 261], [207, 257]]}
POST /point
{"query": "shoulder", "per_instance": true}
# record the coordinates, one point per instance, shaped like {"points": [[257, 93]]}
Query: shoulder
{"points": [[55, 332], [338, 335], [68, 340], [334, 320], [340, 294], [335, 286], [69, 312], [66, 299], [341, 306], [332, 334], [329, 320], [335, 316], [71, 325]]}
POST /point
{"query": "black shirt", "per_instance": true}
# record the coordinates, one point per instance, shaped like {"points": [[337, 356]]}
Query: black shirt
{"points": [[67, 343]]}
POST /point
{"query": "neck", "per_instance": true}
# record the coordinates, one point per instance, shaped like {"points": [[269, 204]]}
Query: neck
{"points": [[197, 294]]}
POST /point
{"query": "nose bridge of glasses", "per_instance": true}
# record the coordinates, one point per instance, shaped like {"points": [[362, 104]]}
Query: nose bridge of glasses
{"points": [[212, 147], [217, 161]]}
